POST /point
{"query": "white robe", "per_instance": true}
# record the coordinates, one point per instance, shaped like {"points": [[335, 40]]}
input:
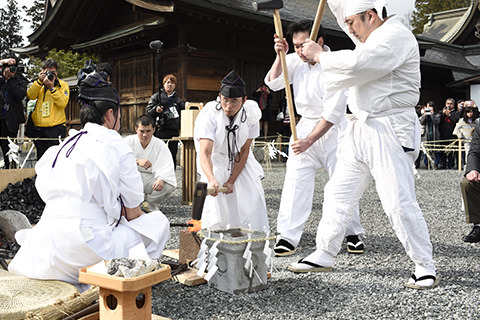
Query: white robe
{"points": [[246, 205], [158, 154], [83, 188], [384, 79], [312, 104]]}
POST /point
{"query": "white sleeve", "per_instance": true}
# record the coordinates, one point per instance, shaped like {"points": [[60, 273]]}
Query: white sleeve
{"points": [[162, 165], [278, 83], [254, 114], [348, 68], [205, 125], [334, 106], [130, 142], [130, 184]]}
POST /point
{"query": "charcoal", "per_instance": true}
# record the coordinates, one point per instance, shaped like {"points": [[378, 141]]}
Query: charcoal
{"points": [[23, 196]]}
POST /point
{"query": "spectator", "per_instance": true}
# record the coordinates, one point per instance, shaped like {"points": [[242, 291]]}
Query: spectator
{"points": [[460, 106], [13, 88], [464, 128], [448, 119], [263, 97], [429, 122], [153, 162], [49, 120], [470, 186], [165, 107]]}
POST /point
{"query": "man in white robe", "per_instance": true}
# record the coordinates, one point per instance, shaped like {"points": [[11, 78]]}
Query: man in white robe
{"points": [[224, 131], [382, 138], [153, 162], [92, 190], [315, 107]]}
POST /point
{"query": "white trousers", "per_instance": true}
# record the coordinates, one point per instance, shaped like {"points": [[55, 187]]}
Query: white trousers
{"points": [[299, 184], [370, 150], [153, 196]]}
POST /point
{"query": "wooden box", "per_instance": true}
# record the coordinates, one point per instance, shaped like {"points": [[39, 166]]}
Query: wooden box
{"points": [[14, 175], [188, 117], [122, 298]]}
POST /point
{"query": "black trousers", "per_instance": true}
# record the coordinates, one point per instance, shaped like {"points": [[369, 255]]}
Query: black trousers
{"points": [[172, 145], [471, 199], [4, 133], [48, 132]]}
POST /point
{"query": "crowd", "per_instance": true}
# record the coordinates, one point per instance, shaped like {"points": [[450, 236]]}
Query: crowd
{"points": [[358, 121], [442, 127]]}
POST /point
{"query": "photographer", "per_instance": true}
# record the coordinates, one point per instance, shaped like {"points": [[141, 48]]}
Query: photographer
{"points": [[48, 117], [13, 87], [429, 121], [165, 107]]}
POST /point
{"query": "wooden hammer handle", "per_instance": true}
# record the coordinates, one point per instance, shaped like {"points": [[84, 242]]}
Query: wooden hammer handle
{"points": [[318, 20], [211, 190], [288, 91]]}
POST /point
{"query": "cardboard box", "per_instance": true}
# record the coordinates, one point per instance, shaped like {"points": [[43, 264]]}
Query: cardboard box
{"points": [[14, 175], [188, 117]]}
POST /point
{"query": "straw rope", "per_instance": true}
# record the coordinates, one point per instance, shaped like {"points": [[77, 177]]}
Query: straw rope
{"points": [[202, 235], [64, 308]]}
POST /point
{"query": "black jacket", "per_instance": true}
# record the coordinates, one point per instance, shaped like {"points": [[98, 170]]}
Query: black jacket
{"points": [[12, 94], [473, 158], [165, 120]]}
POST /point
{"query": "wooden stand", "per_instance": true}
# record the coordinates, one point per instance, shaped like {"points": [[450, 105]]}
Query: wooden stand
{"points": [[122, 298], [189, 169]]}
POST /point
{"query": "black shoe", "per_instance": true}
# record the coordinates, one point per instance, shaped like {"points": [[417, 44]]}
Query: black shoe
{"points": [[473, 236], [283, 248], [355, 245]]}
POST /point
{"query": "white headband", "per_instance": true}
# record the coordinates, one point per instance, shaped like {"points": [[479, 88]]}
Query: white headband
{"points": [[353, 7]]}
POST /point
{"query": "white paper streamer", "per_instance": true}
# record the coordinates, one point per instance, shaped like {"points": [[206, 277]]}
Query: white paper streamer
{"points": [[12, 152], [272, 151]]}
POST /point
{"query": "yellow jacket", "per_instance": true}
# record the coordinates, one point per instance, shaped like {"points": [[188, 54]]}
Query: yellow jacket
{"points": [[50, 108]]}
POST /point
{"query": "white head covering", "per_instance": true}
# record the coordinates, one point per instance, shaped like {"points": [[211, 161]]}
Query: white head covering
{"points": [[353, 7]]}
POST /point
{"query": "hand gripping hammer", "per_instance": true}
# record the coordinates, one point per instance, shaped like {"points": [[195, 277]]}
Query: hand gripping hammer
{"points": [[275, 5]]}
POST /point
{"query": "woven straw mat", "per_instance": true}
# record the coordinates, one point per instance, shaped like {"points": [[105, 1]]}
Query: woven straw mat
{"points": [[19, 295]]}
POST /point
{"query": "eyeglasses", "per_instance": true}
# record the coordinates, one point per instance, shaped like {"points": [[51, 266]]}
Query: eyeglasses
{"points": [[231, 101]]}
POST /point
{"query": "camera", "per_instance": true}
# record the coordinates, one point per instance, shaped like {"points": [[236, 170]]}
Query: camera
{"points": [[13, 68], [428, 111], [50, 75]]}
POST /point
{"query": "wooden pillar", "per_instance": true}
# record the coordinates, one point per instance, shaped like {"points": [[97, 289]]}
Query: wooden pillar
{"points": [[182, 61]]}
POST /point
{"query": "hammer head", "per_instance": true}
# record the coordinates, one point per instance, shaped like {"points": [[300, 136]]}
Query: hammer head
{"points": [[199, 195], [267, 5]]}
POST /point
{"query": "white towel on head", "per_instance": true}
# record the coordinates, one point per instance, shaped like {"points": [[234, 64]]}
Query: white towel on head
{"points": [[353, 7]]}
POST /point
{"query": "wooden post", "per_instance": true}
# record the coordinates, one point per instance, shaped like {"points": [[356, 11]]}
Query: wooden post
{"points": [[279, 147], [460, 155]]}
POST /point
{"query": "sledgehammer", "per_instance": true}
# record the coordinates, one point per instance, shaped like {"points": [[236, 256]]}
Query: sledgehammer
{"points": [[199, 194], [275, 5]]}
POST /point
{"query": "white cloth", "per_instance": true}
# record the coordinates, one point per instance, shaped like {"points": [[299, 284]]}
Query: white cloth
{"points": [[160, 156], [374, 89], [82, 189], [246, 205], [309, 93], [384, 76], [357, 6], [299, 185]]}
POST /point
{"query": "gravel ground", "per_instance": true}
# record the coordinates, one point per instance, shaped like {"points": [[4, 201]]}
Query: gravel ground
{"points": [[368, 286]]}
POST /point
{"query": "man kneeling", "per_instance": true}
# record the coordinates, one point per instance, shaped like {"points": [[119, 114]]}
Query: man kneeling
{"points": [[153, 161]]}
